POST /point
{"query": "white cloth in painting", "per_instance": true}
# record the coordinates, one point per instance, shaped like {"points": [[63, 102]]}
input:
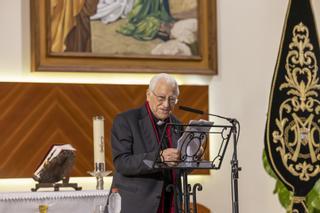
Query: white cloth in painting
{"points": [[172, 47], [183, 34], [185, 31], [111, 10]]}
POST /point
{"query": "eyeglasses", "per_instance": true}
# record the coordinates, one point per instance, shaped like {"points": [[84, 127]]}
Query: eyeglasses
{"points": [[172, 99]]}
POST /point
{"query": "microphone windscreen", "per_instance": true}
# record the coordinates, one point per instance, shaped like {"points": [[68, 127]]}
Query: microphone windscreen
{"points": [[189, 109]]}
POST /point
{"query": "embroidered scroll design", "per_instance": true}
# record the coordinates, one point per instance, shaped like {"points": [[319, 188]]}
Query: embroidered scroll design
{"points": [[297, 133]]}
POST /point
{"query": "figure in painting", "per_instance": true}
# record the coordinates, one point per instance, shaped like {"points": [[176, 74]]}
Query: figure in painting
{"points": [[111, 10], [147, 18], [166, 27], [70, 25]]}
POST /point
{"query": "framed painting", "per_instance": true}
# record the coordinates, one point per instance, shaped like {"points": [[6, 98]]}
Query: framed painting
{"points": [[124, 36]]}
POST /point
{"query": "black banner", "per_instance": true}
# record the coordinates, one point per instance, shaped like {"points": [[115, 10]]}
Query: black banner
{"points": [[292, 136]]}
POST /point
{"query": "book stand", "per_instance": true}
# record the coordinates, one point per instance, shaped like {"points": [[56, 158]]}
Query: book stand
{"points": [[56, 170], [56, 186], [189, 161]]}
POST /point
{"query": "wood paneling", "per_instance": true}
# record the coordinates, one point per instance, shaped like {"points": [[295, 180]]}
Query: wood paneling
{"points": [[34, 116]]}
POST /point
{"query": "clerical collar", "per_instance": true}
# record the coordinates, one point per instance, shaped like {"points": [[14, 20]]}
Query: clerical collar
{"points": [[159, 122]]}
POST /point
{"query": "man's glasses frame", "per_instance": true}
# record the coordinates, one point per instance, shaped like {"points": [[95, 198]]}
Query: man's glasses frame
{"points": [[161, 99]]}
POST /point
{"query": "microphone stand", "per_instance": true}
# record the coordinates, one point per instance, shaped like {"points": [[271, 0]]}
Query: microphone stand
{"points": [[234, 161], [235, 169]]}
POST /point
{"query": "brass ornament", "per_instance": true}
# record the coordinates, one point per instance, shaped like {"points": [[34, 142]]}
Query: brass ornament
{"points": [[43, 208]]}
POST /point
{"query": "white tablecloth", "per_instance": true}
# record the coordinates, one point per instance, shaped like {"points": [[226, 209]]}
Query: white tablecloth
{"points": [[57, 202]]}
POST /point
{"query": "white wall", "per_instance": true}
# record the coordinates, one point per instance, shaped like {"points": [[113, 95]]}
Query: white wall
{"points": [[249, 35], [248, 39]]}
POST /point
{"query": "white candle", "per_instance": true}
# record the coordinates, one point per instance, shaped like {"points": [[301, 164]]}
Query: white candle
{"points": [[98, 139]]}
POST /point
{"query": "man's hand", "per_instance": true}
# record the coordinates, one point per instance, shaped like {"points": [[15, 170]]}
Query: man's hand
{"points": [[170, 156]]}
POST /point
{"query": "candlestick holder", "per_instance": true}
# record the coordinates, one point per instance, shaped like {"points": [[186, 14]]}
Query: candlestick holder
{"points": [[99, 172]]}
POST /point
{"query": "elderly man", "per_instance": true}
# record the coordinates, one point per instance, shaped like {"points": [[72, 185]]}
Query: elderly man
{"points": [[135, 139]]}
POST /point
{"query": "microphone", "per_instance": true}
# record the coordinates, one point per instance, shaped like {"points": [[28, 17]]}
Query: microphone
{"points": [[189, 109], [197, 111]]}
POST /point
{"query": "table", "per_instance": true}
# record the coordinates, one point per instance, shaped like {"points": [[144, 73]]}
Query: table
{"points": [[86, 201]]}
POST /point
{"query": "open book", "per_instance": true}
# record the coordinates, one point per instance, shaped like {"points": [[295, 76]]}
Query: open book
{"points": [[56, 165], [190, 144]]}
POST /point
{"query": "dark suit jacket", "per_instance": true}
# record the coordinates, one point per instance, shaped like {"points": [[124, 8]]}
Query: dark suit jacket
{"points": [[133, 144]]}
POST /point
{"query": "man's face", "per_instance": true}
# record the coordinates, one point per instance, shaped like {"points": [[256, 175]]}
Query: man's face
{"points": [[162, 100]]}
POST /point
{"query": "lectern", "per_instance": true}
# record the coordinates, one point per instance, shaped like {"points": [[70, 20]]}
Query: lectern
{"points": [[192, 145]]}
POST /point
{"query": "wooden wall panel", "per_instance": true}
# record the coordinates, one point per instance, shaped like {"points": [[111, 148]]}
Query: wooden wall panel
{"points": [[34, 116]]}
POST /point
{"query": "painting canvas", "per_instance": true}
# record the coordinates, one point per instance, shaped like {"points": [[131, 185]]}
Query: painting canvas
{"points": [[176, 36], [117, 27]]}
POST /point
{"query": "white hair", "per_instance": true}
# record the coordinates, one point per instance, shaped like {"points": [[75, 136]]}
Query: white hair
{"points": [[165, 77]]}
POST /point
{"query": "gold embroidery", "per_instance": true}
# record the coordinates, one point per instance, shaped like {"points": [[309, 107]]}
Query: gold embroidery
{"points": [[296, 134], [300, 200], [43, 208]]}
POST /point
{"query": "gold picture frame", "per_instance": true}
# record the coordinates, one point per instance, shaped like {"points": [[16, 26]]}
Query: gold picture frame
{"points": [[44, 60]]}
